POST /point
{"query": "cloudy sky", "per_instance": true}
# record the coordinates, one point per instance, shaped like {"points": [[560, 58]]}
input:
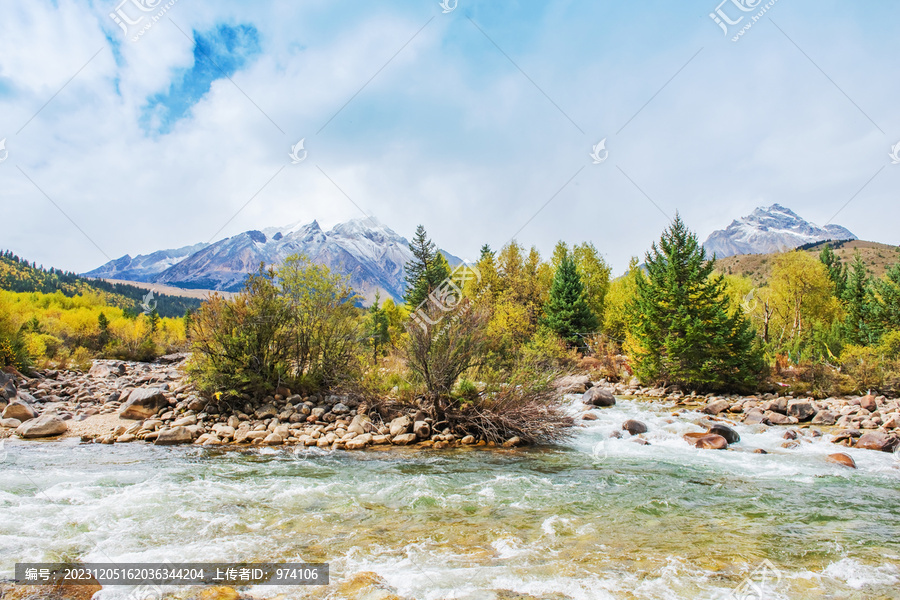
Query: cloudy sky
{"points": [[173, 122]]}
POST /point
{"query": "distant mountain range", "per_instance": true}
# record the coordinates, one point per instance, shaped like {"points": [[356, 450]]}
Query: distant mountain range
{"points": [[373, 255], [771, 229]]}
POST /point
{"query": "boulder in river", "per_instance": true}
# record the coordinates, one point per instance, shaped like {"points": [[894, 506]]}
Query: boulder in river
{"points": [[143, 403], [731, 436], [48, 424], [842, 459], [706, 441], [776, 418], [598, 397], [869, 403], [20, 409], [876, 440], [634, 427]]}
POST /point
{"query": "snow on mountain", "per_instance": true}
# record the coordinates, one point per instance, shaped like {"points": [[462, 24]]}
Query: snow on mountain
{"points": [[372, 254], [143, 267], [770, 229]]}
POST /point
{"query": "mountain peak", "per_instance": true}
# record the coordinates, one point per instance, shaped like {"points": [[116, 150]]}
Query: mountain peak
{"points": [[771, 229]]}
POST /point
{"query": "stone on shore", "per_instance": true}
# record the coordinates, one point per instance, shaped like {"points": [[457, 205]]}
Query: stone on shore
{"points": [[404, 439], [47, 425], [512, 442], [714, 408], [400, 425], [868, 402], [599, 397], [20, 409], [10, 423], [176, 435], [824, 417], [143, 403], [802, 410], [421, 429], [572, 384]]}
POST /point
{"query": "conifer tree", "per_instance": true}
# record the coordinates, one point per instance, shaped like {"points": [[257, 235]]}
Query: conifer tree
{"points": [[567, 312], [858, 298], [837, 270], [887, 303], [377, 327], [427, 270], [680, 319]]}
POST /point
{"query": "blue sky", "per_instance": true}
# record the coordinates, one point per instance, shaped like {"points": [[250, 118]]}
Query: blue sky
{"points": [[468, 122]]}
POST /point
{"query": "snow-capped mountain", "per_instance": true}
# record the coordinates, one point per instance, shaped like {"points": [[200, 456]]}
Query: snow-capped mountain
{"points": [[372, 254], [771, 229], [144, 267]]}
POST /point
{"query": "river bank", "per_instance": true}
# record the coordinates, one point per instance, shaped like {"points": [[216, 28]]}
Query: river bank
{"points": [[599, 517], [125, 402]]}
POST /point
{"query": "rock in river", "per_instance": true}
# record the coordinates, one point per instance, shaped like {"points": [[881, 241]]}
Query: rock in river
{"points": [[731, 436], [634, 427], [842, 459], [598, 397], [876, 440], [706, 441]]}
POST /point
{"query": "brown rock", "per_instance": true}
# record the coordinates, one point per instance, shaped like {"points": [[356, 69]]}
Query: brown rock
{"points": [[404, 439], [143, 403], [176, 435], [572, 384], [19, 409], [634, 427], [46, 425], [876, 440], [731, 436], [716, 407], [599, 397], [842, 459], [869, 403], [824, 417], [706, 441]]}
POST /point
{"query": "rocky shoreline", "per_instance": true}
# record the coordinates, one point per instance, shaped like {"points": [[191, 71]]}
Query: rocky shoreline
{"points": [[122, 402]]}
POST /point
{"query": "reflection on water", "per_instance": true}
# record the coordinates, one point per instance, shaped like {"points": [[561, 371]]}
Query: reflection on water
{"points": [[598, 518]]}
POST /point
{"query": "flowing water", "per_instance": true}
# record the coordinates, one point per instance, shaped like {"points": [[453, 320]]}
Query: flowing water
{"points": [[594, 518]]}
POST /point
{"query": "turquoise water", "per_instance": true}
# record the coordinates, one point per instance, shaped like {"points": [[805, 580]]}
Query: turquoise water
{"points": [[595, 518]]}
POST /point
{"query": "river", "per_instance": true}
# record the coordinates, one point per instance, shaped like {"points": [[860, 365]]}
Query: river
{"points": [[594, 518]]}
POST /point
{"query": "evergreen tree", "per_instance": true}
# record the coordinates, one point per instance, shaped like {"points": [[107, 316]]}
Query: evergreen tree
{"points": [[103, 327], [567, 312], [426, 271], [858, 298], [154, 321], [887, 303], [377, 327], [837, 270], [679, 318], [188, 323], [486, 252]]}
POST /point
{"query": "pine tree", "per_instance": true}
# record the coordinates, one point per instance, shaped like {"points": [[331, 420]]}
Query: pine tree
{"points": [[887, 303], [103, 327], [837, 270], [377, 327], [154, 321], [426, 271], [858, 298], [567, 312], [680, 319]]}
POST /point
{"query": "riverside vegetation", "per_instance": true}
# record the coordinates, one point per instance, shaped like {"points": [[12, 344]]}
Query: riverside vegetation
{"points": [[294, 359]]}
